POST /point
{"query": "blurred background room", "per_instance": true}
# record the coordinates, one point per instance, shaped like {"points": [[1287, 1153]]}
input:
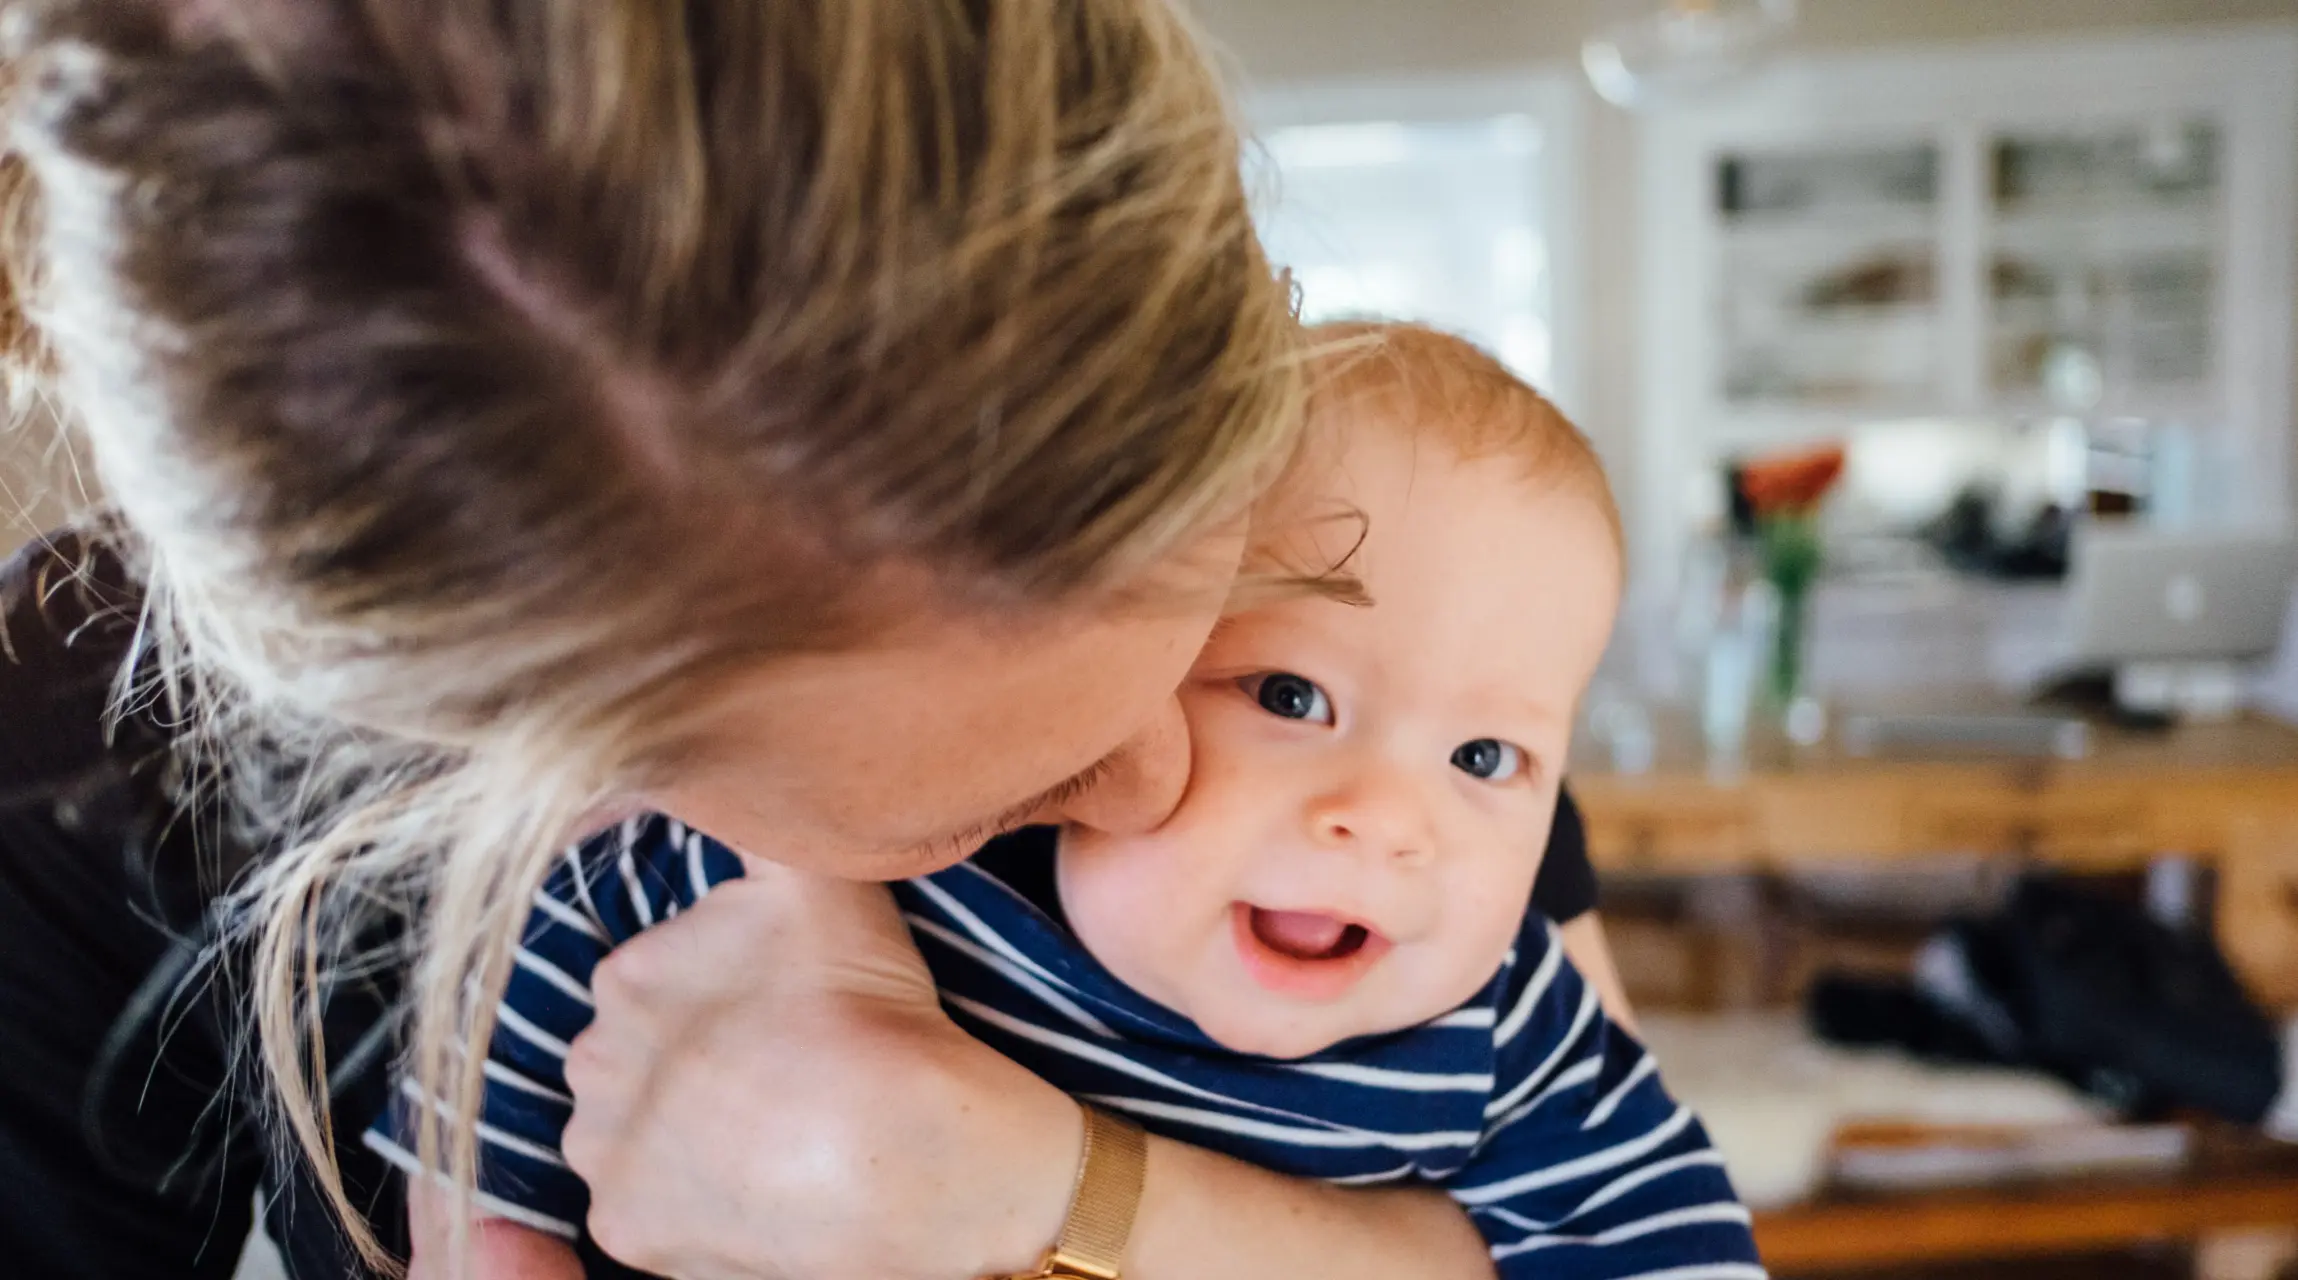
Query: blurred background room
{"points": [[1943, 775]]}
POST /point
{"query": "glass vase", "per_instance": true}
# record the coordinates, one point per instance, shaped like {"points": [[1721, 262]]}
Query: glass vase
{"points": [[1791, 555]]}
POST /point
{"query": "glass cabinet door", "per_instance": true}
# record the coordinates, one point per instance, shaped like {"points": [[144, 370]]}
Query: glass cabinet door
{"points": [[2102, 267], [1830, 266]]}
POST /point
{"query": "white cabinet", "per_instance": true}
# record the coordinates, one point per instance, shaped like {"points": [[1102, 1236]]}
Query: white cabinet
{"points": [[1963, 231], [1826, 273]]}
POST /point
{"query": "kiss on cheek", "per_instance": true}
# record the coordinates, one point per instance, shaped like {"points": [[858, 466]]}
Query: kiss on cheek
{"points": [[1372, 783]]}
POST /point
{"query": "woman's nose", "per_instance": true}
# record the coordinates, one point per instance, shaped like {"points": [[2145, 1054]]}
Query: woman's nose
{"points": [[1378, 812], [1144, 780]]}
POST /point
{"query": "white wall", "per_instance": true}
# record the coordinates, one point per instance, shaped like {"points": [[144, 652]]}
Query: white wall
{"points": [[1279, 42], [1295, 38]]}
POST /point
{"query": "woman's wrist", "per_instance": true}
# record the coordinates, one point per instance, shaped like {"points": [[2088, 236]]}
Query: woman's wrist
{"points": [[1026, 1144], [1206, 1216]]}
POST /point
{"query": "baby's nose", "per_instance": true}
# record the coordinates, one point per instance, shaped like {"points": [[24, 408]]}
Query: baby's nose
{"points": [[1377, 816]]}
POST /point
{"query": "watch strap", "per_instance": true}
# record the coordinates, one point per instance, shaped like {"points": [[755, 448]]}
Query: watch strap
{"points": [[1101, 1207]]}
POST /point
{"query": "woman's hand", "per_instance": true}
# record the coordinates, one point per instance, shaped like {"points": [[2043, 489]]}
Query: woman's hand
{"points": [[770, 1090]]}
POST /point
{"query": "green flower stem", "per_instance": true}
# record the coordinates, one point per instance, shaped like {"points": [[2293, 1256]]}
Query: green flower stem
{"points": [[1791, 557]]}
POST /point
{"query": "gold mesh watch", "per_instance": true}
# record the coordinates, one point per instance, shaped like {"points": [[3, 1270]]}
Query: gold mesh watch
{"points": [[1109, 1177]]}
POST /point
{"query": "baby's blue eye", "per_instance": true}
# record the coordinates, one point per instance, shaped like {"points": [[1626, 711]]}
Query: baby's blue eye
{"points": [[1281, 693], [1489, 759]]}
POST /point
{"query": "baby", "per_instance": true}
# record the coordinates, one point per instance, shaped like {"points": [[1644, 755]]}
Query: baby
{"points": [[1326, 962]]}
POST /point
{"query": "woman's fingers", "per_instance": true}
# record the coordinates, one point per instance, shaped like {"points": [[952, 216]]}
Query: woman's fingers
{"points": [[770, 1088], [817, 904], [842, 936], [804, 934], [499, 1250]]}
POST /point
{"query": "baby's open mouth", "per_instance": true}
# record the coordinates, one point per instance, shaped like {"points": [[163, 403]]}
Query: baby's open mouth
{"points": [[1307, 935], [1307, 955]]}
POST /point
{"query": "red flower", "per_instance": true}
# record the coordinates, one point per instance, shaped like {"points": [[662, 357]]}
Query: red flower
{"points": [[1791, 484]]}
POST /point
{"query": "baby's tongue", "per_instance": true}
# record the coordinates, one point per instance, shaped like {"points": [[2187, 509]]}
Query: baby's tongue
{"points": [[1304, 935]]}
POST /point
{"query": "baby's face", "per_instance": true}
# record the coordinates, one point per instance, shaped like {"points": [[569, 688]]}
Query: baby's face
{"points": [[1372, 785]]}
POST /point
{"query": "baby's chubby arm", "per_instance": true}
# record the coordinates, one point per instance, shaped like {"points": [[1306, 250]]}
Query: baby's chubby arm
{"points": [[499, 1250]]}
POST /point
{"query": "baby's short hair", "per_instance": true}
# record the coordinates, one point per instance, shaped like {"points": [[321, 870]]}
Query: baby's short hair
{"points": [[1444, 387]]}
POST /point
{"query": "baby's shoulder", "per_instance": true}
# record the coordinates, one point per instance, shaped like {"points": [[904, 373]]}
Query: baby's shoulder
{"points": [[1526, 979], [637, 873], [1539, 946]]}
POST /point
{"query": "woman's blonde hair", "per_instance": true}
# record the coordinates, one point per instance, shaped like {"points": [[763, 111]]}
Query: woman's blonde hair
{"points": [[476, 383]]}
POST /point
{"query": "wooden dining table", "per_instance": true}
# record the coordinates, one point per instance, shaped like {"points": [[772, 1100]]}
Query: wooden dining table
{"points": [[2224, 795], [2234, 1186]]}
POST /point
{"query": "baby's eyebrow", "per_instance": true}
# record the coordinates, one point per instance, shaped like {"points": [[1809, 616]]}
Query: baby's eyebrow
{"points": [[1535, 710]]}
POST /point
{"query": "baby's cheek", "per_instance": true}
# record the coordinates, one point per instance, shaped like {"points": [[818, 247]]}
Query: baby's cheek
{"points": [[1487, 912], [1126, 905]]}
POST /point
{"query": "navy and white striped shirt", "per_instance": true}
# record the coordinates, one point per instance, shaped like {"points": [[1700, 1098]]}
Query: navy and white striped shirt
{"points": [[1546, 1122]]}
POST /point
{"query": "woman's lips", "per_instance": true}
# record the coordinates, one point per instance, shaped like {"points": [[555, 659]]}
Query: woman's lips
{"points": [[1308, 955]]}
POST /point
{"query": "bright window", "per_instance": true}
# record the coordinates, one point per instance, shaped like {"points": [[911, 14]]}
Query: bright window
{"points": [[1440, 221]]}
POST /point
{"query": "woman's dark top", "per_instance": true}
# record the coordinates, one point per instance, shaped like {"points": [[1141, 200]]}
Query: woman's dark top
{"points": [[129, 1144]]}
